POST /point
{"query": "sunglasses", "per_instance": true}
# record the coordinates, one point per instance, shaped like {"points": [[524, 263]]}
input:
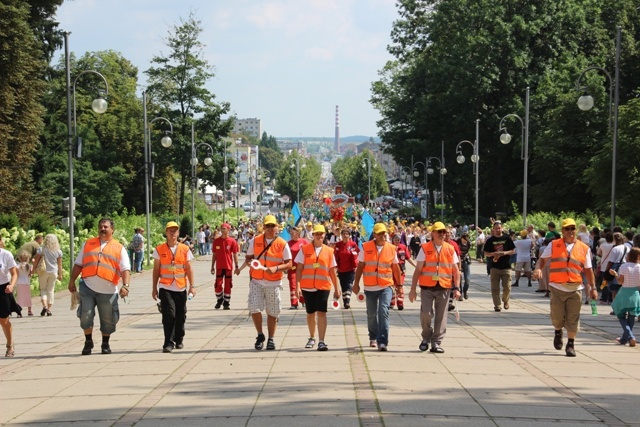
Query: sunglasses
{"points": [[269, 226], [441, 231], [570, 228]]}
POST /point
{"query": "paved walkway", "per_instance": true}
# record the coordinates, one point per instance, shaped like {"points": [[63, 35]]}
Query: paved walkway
{"points": [[498, 369]]}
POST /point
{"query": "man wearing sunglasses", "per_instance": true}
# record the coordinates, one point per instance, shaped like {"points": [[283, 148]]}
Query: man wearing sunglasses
{"points": [[438, 274], [568, 258], [499, 247], [274, 256]]}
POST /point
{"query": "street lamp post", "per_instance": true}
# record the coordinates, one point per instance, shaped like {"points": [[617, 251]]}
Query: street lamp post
{"points": [[297, 166], [237, 170], [585, 103], [475, 159], [367, 166], [194, 175], [443, 172], [99, 106], [405, 171], [416, 174], [262, 173], [505, 138], [166, 143]]}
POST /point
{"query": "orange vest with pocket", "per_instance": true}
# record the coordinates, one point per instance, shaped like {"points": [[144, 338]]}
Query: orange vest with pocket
{"points": [[566, 268], [316, 269], [437, 268], [173, 267], [377, 266], [103, 263], [270, 258]]}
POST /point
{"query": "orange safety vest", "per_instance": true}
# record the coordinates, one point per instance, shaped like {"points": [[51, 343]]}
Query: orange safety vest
{"points": [[437, 268], [103, 263], [270, 258], [315, 270], [173, 267], [377, 266], [564, 267]]}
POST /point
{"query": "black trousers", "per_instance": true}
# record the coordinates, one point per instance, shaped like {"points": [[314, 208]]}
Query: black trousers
{"points": [[174, 315]]}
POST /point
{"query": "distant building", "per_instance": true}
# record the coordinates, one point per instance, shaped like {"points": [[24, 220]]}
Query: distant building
{"points": [[249, 127]]}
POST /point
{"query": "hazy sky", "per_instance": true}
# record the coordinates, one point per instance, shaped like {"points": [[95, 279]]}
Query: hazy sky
{"points": [[287, 62]]}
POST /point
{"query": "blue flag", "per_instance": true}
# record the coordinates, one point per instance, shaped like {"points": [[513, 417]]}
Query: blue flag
{"points": [[296, 215], [366, 226], [285, 235]]}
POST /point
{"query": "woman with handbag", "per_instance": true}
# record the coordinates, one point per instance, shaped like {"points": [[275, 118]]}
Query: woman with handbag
{"points": [[626, 306], [616, 259], [604, 252]]}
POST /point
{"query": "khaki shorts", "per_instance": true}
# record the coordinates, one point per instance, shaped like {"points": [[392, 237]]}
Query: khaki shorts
{"points": [[264, 298], [565, 309], [523, 266]]}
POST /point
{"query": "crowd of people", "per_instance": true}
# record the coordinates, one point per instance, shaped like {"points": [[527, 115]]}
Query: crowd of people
{"points": [[331, 260]]}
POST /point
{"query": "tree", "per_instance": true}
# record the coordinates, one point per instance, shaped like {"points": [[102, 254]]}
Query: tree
{"points": [[177, 87], [21, 87], [353, 174], [287, 179], [460, 60]]}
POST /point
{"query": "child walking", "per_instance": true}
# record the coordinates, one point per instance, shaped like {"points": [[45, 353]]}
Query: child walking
{"points": [[23, 284]]}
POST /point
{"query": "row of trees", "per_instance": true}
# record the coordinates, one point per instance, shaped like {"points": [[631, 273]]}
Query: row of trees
{"points": [[109, 176], [353, 174], [456, 61]]}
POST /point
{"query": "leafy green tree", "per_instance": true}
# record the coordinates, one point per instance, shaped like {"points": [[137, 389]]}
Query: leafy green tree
{"points": [[287, 179], [21, 86], [353, 174], [460, 60], [177, 86]]}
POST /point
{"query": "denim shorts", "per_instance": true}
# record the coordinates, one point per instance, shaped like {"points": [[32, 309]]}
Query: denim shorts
{"points": [[107, 305]]}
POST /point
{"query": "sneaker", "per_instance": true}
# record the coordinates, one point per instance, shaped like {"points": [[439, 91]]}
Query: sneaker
{"points": [[48, 313], [218, 304], [259, 342], [106, 349], [465, 295], [382, 347], [373, 343], [632, 342], [44, 311], [557, 342], [322, 346], [539, 291], [270, 344], [226, 307], [424, 346], [570, 351], [167, 348], [436, 349], [497, 309], [346, 306], [310, 343], [88, 346], [515, 285], [506, 306], [400, 307], [293, 307], [179, 345]]}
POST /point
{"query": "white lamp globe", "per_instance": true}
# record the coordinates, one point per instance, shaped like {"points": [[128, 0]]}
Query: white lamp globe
{"points": [[99, 105], [585, 102], [225, 169], [430, 171], [208, 161], [475, 158], [505, 138], [194, 161], [460, 159], [443, 171], [166, 141]]}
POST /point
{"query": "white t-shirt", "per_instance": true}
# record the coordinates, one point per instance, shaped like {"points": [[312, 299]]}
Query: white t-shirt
{"points": [[286, 256], [50, 259], [174, 285], [587, 264], [523, 250], [617, 253], [98, 284], [631, 273], [605, 250], [7, 262]]}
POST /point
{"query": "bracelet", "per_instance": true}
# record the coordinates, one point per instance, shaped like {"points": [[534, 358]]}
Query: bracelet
{"points": [[125, 286]]}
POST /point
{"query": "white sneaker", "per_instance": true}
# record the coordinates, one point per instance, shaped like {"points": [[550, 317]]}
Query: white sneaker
{"points": [[373, 343], [382, 347]]}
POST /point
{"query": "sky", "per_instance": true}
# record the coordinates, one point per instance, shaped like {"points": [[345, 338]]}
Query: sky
{"points": [[286, 62]]}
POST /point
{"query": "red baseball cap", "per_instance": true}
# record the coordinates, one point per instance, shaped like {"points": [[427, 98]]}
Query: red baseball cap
{"points": [[225, 225]]}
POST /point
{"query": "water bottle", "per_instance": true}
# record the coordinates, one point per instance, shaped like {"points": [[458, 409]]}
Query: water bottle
{"points": [[190, 296], [594, 308]]}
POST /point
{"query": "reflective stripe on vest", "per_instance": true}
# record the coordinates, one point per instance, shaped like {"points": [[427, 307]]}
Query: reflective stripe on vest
{"points": [[103, 263], [316, 277], [565, 267], [173, 267], [437, 266], [377, 267], [271, 258]]}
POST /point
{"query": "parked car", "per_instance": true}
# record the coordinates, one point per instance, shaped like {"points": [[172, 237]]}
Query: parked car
{"points": [[248, 207]]}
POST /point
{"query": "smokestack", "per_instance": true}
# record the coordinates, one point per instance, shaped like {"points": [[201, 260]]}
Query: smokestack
{"points": [[337, 140]]}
